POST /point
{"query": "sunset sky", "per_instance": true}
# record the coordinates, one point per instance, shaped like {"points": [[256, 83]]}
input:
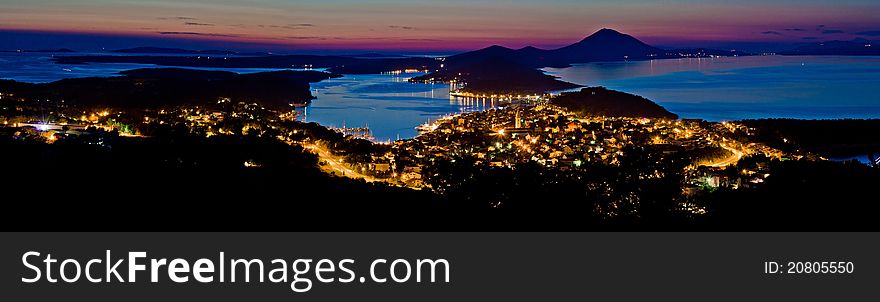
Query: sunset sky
{"points": [[423, 25]]}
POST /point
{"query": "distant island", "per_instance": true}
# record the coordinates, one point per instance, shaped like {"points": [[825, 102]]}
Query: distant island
{"points": [[164, 50], [836, 48], [40, 50], [373, 55], [172, 86], [603, 45], [498, 69], [599, 101], [705, 52], [172, 51], [336, 64]]}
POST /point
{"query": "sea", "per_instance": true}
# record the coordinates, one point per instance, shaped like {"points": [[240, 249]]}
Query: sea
{"points": [[734, 88], [715, 89]]}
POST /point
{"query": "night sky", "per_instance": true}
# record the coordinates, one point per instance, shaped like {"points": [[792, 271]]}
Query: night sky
{"points": [[415, 25]]}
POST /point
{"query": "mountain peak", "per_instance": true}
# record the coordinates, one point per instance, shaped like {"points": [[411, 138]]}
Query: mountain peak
{"points": [[606, 45], [603, 45], [496, 47], [606, 33], [491, 51]]}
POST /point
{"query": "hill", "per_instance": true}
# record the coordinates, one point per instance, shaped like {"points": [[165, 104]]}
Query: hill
{"points": [[497, 75], [521, 56], [830, 138], [172, 86], [606, 45], [602, 101]]}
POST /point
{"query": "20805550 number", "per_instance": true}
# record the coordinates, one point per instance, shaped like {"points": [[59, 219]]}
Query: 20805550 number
{"points": [[809, 267]]}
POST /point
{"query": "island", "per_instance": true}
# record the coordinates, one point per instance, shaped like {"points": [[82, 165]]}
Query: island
{"points": [[166, 50], [501, 70], [336, 64], [60, 50], [170, 86], [857, 47], [496, 76]]}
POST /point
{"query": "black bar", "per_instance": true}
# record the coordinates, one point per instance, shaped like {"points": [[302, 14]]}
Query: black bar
{"points": [[483, 266]]}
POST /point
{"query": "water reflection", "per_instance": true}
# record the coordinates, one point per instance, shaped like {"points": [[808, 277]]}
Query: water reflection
{"points": [[388, 104]]}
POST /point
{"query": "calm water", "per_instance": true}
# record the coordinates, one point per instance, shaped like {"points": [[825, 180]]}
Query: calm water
{"points": [[713, 89], [745, 87], [387, 104], [39, 68]]}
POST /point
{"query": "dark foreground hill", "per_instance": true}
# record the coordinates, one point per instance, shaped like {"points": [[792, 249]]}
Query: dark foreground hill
{"points": [[830, 138], [171, 86], [602, 101], [200, 182]]}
